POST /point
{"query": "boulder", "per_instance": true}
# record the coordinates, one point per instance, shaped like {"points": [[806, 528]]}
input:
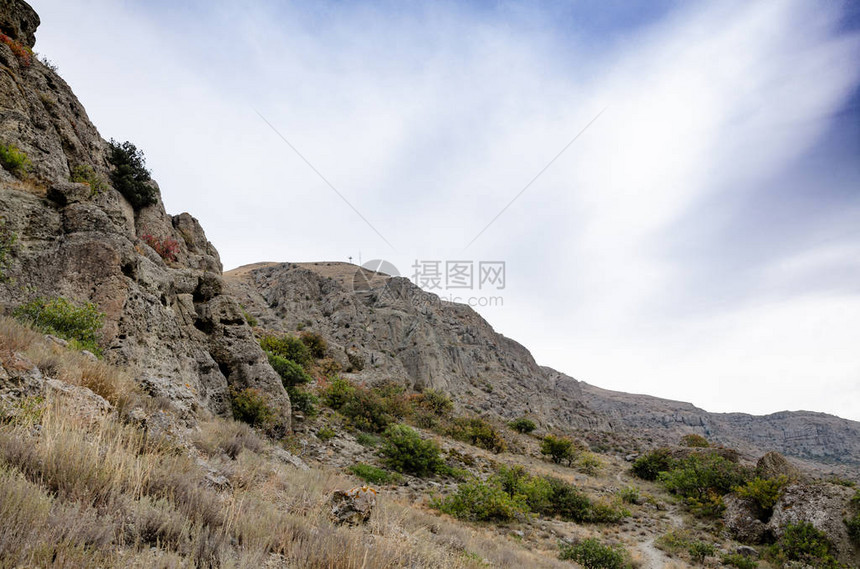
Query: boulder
{"points": [[741, 520], [353, 506], [823, 505], [774, 465]]}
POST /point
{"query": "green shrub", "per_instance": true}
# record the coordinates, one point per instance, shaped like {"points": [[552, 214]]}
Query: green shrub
{"points": [[437, 402], [739, 561], [695, 441], [406, 451], [650, 465], [592, 554], [554, 497], [702, 480], [14, 160], [368, 440], [372, 474], [804, 543], [764, 493], [853, 524], [63, 318], [517, 482], [287, 347], [368, 409], [479, 501], [673, 541], [249, 318], [315, 343], [250, 406], [338, 393], [589, 463], [559, 449], [130, 176], [523, 425], [630, 495], [292, 374], [326, 434], [699, 550], [8, 238], [84, 174], [476, 431], [303, 401]]}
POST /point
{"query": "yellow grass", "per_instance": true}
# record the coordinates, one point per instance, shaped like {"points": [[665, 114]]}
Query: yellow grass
{"points": [[100, 492]]}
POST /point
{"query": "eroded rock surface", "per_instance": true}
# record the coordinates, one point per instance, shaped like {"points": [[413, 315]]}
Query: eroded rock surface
{"points": [[168, 319]]}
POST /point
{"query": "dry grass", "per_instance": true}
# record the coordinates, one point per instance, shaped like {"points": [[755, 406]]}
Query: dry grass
{"points": [[98, 491]]}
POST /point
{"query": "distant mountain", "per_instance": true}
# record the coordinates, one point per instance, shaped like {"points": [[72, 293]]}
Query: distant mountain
{"points": [[410, 336]]}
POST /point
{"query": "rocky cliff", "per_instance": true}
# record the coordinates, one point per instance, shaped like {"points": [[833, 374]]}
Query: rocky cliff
{"points": [[802, 434], [408, 335], [401, 333], [168, 318]]}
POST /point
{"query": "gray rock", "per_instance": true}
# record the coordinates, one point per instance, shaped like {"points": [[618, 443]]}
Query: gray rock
{"points": [[740, 517], [19, 21], [747, 551], [352, 507], [65, 193], [170, 321], [774, 465], [821, 505], [285, 457]]}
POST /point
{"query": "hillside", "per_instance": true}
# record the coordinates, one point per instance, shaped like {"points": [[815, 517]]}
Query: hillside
{"points": [[405, 333], [157, 412]]}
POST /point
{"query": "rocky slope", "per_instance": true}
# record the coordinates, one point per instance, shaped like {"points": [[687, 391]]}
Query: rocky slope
{"points": [[406, 334], [401, 333], [168, 319], [803, 434], [179, 324]]}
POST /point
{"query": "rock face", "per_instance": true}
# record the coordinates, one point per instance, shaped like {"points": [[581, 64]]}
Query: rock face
{"points": [[354, 506], [168, 319], [802, 434], [19, 21], [407, 335], [774, 465], [741, 520], [404, 334], [822, 505]]}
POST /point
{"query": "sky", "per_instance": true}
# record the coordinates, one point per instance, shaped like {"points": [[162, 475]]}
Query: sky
{"points": [[673, 187]]}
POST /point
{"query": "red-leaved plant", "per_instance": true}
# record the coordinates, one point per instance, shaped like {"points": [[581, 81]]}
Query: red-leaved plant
{"points": [[22, 52], [167, 248]]}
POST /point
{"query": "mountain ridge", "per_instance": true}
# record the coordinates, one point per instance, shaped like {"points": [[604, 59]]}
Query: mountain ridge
{"points": [[807, 435]]}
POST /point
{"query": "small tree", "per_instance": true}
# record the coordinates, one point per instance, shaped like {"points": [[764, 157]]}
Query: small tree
{"points": [[650, 465], [406, 451], [250, 406], [559, 449], [523, 425], [592, 554], [288, 347], [130, 176], [695, 441], [315, 343]]}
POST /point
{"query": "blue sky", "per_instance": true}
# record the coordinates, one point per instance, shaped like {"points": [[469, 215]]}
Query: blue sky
{"points": [[699, 241]]}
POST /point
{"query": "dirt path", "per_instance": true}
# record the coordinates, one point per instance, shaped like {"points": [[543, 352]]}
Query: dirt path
{"points": [[653, 557]]}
